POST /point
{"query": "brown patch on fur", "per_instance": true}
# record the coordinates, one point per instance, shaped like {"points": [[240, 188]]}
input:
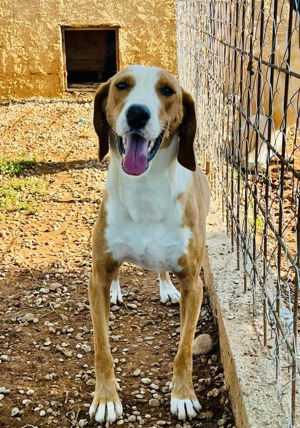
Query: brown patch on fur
{"points": [[116, 99], [108, 103], [171, 110], [177, 112]]}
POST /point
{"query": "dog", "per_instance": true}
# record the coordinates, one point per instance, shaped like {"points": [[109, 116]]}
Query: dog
{"points": [[250, 147], [277, 105], [153, 214]]}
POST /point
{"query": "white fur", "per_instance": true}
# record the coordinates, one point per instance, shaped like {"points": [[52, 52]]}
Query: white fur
{"points": [[143, 93], [185, 409], [144, 216], [168, 292], [115, 292], [108, 412]]}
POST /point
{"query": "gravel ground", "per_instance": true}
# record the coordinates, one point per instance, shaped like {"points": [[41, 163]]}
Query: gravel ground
{"points": [[46, 340]]}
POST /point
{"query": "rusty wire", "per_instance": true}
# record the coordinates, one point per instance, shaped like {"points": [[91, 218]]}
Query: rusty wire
{"points": [[240, 59]]}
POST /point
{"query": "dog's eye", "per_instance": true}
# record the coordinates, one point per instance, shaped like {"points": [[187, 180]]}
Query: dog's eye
{"points": [[122, 85], [167, 91]]}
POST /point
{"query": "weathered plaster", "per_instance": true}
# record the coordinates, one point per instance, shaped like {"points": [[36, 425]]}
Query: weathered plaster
{"points": [[31, 59]]}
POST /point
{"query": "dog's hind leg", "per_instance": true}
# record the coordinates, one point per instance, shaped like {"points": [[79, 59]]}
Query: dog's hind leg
{"points": [[115, 290], [168, 292]]}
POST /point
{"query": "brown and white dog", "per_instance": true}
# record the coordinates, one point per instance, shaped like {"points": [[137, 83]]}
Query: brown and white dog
{"points": [[153, 214]]}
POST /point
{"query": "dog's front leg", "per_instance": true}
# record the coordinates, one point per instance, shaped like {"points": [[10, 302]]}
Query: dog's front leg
{"points": [[106, 405], [184, 402]]}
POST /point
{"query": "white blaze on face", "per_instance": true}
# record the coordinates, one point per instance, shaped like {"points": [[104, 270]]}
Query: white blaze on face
{"points": [[143, 93]]}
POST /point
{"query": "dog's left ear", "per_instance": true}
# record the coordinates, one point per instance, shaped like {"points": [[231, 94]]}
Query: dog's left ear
{"points": [[100, 121], [187, 132]]}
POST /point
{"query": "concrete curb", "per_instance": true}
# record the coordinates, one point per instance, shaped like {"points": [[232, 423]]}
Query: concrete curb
{"points": [[248, 370]]}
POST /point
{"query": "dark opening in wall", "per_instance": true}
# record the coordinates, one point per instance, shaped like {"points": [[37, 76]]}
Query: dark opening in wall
{"points": [[91, 57]]}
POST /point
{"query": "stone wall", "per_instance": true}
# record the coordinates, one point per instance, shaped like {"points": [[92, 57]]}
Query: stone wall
{"points": [[31, 54]]}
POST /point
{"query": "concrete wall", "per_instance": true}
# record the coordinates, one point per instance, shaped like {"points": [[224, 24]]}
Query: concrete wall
{"points": [[31, 58]]}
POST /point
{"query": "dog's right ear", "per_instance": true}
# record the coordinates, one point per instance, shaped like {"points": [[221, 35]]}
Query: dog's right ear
{"points": [[100, 121]]}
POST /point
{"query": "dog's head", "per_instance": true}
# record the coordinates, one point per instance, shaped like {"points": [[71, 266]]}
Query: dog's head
{"points": [[144, 107]]}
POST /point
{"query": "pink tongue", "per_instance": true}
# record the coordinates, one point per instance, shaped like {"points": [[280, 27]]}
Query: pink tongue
{"points": [[136, 155]]}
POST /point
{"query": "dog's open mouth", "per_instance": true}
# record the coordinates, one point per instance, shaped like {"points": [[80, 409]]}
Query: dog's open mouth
{"points": [[137, 152]]}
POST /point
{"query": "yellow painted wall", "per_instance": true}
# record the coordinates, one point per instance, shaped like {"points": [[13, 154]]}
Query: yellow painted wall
{"points": [[31, 58]]}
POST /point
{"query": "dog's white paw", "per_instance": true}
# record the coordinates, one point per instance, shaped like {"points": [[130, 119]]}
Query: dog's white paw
{"points": [[115, 293], [185, 409], [106, 411], [168, 292]]}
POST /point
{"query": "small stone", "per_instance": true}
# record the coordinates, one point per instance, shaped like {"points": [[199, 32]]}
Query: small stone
{"points": [[203, 344], [42, 413], [44, 290], [120, 422], [35, 320], [54, 286], [86, 348], [230, 317], [221, 422], [131, 418], [115, 308], [161, 423], [139, 396], [47, 342], [15, 411], [208, 416], [4, 390], [30, 391], [146, 381], [4, 358], [79, 356], [39, 301], [213, 393], [27, 317], [1, 396], [154, 386], [136, 372], [154, 402], [82, 423], [131, 306]]}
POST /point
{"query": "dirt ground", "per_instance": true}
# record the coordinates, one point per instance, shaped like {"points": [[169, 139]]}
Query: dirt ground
{"points": [[46, 339]]}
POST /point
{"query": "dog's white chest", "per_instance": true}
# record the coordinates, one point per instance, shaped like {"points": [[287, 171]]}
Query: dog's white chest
{"points": [[144, 226], [153, 246]]}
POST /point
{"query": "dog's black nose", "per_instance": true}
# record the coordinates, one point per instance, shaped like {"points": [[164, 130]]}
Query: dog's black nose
{"points": [[137, 116]]}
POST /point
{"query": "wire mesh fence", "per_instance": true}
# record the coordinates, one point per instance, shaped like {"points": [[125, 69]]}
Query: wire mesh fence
{"points": [[240, 59]]}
